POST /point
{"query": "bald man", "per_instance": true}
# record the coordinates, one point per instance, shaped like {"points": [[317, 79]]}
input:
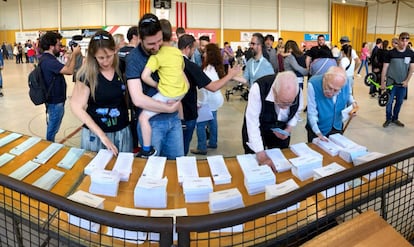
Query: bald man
{"points": [[328, 95], [272, 111]]}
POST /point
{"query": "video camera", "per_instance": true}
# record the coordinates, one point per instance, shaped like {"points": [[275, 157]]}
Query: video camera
{"points": [[73, 42]]}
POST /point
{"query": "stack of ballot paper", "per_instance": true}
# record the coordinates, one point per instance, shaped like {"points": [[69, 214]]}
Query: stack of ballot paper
{"points": [[167, 213], [366, 158], [6, 157], [129, 236], [350, 150], [48, 153], [71, 157], [154, 168], [186, 168], [9, 138], [275, 190], [278, 159], [197, 189], [328, 146], [327, 171], [104, 182], [49, 179], [24, 146], [151, 193], [90, 200], [99, 162], [302, 149], [225, 200], [303, 166], [218, 169], [256, 177], [123, 165]]}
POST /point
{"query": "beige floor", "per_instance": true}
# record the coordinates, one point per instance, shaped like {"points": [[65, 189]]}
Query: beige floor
{"points": [[18, 114]]}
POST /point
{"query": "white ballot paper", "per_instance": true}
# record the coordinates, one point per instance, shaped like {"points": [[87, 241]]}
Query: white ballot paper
{"points": [[71, 157], [48, 153], [256, 177], [197, 189], [327, 171], [129, 236], [225, 200], [90, 200], [218, 169], [104, 182], [1, 131], [302, 149], [99, 162], [24, 146], [167, 213], [342, 140], [48, 180], [328, 146], [204, 113], [123, 165], [186, 168], [24, 170], [345, 113], [154, 167], [9, 138], [276, 190], [366, 158], [350, 153], [151, 193], [303, 166], [278, 159], [6, 157]]}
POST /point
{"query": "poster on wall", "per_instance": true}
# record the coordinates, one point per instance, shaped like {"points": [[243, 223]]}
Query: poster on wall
{"points": [[311, 39], [197, 33], [246, 36], [22, 37], [162, 13]]}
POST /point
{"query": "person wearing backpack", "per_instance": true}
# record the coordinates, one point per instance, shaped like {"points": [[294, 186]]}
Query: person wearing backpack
{"points": [[53, 73]]}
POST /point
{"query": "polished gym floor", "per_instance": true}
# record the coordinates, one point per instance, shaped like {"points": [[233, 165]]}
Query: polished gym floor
{"points": [[18, 114]]}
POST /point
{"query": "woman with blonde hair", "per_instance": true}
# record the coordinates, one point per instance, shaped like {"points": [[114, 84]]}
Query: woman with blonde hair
{"points": [[98, 98]]}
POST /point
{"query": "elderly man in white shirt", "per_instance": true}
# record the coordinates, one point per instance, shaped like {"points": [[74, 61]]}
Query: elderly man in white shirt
{"points": [[273, 109]]}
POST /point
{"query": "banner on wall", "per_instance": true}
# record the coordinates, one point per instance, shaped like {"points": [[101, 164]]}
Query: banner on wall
{"points": [[314, 36], [68, 34], [197, 33], [246, 36], [22, 37], [162, 13]]}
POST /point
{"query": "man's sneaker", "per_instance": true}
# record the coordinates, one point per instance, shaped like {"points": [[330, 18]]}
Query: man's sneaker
{"points": [[146, 154], [1, 94], [386, 123], [398, 123]]}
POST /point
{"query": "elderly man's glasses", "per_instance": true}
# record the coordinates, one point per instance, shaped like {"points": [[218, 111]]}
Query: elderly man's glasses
{"points": [[287, 104]]}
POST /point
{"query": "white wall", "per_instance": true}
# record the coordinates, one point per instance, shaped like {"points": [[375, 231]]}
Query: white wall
{"points": [[295, 15]]}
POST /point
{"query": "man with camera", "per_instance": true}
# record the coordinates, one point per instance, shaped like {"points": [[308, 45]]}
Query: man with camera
{"points": [[53, 72]]}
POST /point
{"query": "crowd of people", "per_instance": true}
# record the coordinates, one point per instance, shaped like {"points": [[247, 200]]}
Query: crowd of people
{"points": [[154, 93]]}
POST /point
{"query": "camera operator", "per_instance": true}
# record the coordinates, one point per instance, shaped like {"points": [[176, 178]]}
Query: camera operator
{"points": [[79, 58]]}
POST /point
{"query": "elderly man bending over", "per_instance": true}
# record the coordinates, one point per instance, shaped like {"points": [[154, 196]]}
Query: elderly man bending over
{"points": [[328, 95], [272, 111]]}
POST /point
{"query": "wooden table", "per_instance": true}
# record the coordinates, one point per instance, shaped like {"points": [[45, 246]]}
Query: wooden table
{"points": [[366, 229]]}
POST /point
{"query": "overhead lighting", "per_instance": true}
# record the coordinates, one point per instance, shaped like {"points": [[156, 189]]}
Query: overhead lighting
{"points": [[343, 1]]}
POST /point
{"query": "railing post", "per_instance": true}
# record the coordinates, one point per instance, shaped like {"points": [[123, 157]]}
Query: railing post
{"points": [[184, 239], [166, 239]]}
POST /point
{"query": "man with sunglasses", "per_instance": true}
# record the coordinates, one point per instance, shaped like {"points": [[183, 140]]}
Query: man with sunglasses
{"points": [[398, 69], [272, 111], [167, 135], [328, 95]]}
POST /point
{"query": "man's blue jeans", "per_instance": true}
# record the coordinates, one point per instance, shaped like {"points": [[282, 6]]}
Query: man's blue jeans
{"points": [[167, 135], [188, 134], [202, 136], [54, 116], [399, 93]]}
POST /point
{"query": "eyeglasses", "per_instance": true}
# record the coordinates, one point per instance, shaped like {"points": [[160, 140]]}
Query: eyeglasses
{"points": [[405, 38], [101, 37], [287, 104]]}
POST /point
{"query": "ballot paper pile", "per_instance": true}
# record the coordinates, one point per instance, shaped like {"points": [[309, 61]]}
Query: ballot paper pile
{"points": [[275, 190], [186, 168], [129, 236], [123, 165], [151, 189], [303, 166], [328, 146], [197, 189], [99, 162], [327, 171], [302, 149], [350, 150], [278, 159], [225, 200], [90, 200], [218, 169], [256, 176], [104, 182], [369, 157]]}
